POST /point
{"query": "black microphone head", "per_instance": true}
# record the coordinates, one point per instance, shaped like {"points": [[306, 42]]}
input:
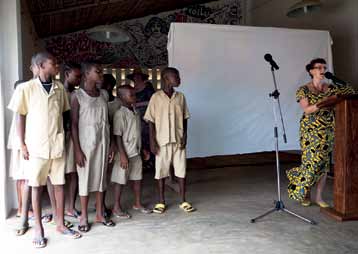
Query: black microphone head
{"points": [[268, 57], [328, 75]]}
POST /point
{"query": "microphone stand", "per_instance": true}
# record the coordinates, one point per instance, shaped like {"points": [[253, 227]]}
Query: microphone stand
{"points": [[278, 204]]}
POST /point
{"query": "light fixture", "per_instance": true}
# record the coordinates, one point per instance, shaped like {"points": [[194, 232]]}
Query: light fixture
{"points": [[108, 33], [303, 7]]}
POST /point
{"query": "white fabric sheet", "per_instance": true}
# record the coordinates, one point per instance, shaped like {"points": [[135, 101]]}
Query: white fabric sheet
{"points": [[227, 81]]}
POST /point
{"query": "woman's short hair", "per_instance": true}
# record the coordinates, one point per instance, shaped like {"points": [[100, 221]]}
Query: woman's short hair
{"points": [[313, 62]]}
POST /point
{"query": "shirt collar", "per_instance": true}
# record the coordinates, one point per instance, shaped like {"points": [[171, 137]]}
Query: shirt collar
{"points": [[166, 96]]}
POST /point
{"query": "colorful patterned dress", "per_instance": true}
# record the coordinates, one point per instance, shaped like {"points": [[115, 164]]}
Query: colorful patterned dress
{"points": [[316, 140]]}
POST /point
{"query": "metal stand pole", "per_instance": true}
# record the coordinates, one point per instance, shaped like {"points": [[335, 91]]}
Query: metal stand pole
{"points": [[279, 205]]}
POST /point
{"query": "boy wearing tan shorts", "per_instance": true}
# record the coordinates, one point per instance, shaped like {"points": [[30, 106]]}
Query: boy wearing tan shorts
{"points": [[128, 165], [167, 114], [40, 104]]}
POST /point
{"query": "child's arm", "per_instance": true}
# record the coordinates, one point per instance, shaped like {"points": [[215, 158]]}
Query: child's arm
{"points": [[21, 123], [112, 148], [123, 157], [185, 136], [79, 155], [154, 147]]}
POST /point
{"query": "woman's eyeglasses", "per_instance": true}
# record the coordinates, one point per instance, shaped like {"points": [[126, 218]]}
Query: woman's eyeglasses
{"points": [[320, 68]]}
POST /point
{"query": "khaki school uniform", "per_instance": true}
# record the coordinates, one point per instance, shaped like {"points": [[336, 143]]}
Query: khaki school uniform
{"points": [[168, 115], [126, 123], [17, 170], [44, 134], [93, 128]]}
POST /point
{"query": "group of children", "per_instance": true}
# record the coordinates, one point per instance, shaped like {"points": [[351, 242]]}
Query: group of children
{"points": [[69, 139]]}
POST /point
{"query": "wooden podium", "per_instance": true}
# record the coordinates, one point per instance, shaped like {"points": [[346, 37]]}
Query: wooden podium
{"points": [[346, 160]]}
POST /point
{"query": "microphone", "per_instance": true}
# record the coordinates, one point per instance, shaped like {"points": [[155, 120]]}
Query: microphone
{"points": [[335, 80], [269, 59]]}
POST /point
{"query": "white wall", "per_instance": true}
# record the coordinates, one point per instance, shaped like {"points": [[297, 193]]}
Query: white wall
{"points": [[30, 40], [10, 71], [339, 17]]}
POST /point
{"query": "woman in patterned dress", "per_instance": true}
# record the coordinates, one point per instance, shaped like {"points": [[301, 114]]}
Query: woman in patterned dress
{"points": [[316, 135]]}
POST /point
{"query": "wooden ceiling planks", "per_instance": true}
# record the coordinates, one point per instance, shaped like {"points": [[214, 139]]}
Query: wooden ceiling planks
{"points": [[54, 17]]}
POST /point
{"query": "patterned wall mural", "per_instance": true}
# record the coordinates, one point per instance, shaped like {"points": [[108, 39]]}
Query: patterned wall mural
{"points": [[148, 36]]}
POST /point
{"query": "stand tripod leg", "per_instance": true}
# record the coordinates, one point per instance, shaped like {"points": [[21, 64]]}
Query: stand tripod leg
{"points": [[263, 215], [299, 216]]}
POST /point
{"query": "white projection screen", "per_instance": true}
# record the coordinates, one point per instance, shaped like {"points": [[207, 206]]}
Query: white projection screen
{"points": [[227, 83]]}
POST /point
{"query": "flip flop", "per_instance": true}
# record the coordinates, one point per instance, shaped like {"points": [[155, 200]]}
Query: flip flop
{"points": [[67, 223], [122, 215], [75, 215], [107, 223], [306, 203], [22, 231], [84, 228], [71, 234], [159, 208], [47, 218], [39, 242], [187, 207], [322, 204], [143, 209]]}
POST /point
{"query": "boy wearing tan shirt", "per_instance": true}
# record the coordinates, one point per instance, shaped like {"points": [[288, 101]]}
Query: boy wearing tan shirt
{"points": [[167, 114], [40, 104]]}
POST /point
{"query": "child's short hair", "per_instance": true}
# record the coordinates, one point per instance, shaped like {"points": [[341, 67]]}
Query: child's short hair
{"points": [[122, 89], [87, 66], [168, 70], [41, 57], [68, 66]]}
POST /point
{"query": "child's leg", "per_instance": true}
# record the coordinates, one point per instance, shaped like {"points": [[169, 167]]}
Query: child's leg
{"points": [[24, 224], [118, 188], [71, 184], [36, 206], [84, 210], [51, 194], [60, 200], [137, 189], [161, 186], [182, 188], [19, 189], [99, 206]]}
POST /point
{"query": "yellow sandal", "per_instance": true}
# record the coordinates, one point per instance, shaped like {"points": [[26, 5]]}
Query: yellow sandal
{"points": [[187, 207], [159, 208]]}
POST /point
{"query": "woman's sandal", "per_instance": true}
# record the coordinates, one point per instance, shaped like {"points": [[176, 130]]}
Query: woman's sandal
{"points": [[306, 203], [187, 207], [39, 242], [322, 204], [84, 228], [159, 208], [22, 231]]}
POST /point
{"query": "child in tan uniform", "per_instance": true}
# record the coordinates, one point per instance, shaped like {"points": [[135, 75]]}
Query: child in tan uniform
{"points": [[167, 114], [128, 165]]}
